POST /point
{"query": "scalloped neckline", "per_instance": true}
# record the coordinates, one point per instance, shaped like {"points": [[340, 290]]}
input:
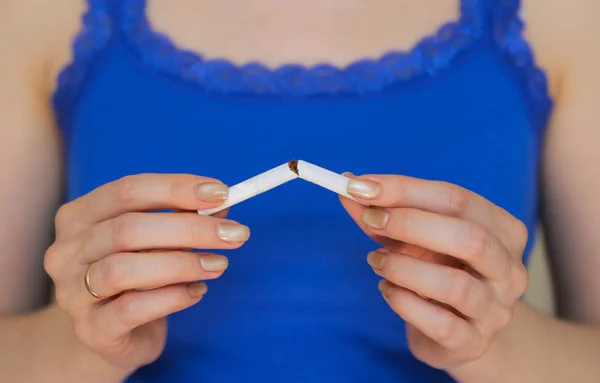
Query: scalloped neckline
{"points": [[431, 54]]}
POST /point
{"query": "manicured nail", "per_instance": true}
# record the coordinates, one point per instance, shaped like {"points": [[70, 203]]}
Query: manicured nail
{"points": [[365, 189], [376, 259], [213, 262], [197, 289], [212, 192], [375, 218], [385, 287], [233, 232]]}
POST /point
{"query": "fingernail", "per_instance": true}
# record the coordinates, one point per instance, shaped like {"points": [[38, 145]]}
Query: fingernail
{"points": [[347, 174], [366, 189], [375, 218], [385, 287], [233, 232], [197, 289], [212, 192], [376, 259], [214, 262]]}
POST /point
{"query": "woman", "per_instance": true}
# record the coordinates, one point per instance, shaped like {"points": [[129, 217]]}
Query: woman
{"points": [[446, 135]]}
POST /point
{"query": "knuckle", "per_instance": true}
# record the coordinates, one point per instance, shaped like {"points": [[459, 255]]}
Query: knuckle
{"points": [[401, 194], [460, 289], [52, 262], [505, 317], [126, 311], [393, 268], [178, 187], [416, 347], [123, 231], [521, 231], [402, 225], [111, 274], [445, 330], [128, 190], [391, 273], [478, 243], [63, 216], [199, 231], [153, 354], [458, 200], [520, 279], [196, 232]]}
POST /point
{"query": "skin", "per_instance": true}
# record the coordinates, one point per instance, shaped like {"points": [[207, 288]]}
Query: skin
{"points": [[133, 261], [475, 327]]}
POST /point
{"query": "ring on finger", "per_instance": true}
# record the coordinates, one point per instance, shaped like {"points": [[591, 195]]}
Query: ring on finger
{"points": [[87, 283]]}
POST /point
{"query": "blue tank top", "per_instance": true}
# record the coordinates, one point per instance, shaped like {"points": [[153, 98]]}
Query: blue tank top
{"points": [[299, 303]]}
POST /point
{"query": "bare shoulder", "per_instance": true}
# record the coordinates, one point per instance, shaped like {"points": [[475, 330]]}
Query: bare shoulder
{"points": [[564, 35], [35, 37]]}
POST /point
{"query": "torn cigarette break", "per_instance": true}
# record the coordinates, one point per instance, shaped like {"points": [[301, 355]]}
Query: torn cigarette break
{"points": [[278, 176], [255, 186], [324, 178], [293, 164]]}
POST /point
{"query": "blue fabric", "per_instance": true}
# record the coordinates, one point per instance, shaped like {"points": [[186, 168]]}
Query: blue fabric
{"points": [[299, 303]]}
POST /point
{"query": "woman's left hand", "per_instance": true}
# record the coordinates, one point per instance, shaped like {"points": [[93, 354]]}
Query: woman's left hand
{"points": [[451, 262]]}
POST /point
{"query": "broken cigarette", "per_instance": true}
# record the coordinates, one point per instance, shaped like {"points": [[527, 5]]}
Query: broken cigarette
{"points": [[327, 179], [255, 186], [279, 175]]}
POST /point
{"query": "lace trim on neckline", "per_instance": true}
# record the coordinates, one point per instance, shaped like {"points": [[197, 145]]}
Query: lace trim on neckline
{"points": [[96, 32], [428, 57], [509, 36]]}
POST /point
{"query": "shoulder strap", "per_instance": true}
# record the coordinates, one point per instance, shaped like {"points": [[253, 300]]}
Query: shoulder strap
{"points": [[95, 33], [507, 29]]}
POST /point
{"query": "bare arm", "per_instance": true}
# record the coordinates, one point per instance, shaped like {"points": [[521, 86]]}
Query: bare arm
{"points": [[537, 348], [80, 338], [571, 168], [30, 168], [36, 343]]}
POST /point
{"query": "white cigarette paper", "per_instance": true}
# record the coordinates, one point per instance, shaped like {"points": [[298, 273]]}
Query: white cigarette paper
{"points": [[255, 186], [327, 179], [279, 175]]}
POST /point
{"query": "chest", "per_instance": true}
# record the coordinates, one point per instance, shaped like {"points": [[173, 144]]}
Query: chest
{"points": [[302, 32], [466, 127]]}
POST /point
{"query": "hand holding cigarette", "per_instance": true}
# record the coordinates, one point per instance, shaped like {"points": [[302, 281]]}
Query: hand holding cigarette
{"points": [[118, 267], [448, 258], [279, 175]]}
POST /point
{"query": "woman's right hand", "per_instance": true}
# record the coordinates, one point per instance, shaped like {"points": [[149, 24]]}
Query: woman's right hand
{"points": [[137, 261]]}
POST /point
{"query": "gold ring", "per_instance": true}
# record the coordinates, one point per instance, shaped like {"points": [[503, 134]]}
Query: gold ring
{"points": [[88, 286]]}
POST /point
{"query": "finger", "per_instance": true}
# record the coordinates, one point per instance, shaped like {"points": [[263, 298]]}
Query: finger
{"points": [[144, 231], [219, 214], [442, 326], [395, 191], [117, 273], [355, 210], [461, 239], [133, 309], [222, 213], [145, 192], [454, 287]]}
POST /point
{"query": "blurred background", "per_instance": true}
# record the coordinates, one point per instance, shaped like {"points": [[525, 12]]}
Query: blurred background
{"points": [[540, 294]]}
